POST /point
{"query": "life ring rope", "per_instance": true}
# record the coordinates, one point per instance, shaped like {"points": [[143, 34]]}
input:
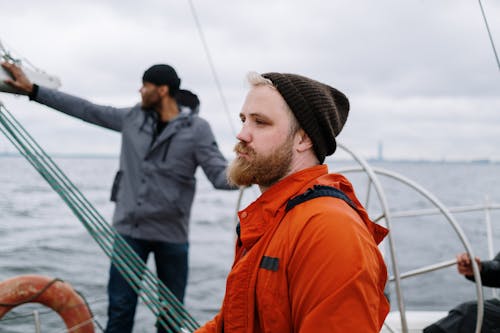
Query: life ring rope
{"points": [[33, 297], [51, 292]]}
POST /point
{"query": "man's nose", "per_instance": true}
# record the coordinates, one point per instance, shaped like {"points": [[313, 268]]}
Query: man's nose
{"points": [[244, 135]]}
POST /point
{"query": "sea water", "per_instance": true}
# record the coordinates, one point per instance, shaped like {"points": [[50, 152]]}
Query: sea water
{"points": [[40, 235]]}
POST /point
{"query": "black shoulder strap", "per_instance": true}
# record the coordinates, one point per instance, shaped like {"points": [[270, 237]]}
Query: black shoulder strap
{"points": [[316, 192]]}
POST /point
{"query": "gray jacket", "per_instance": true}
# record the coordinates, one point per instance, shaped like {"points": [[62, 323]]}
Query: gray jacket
{"points": [[155, 185]]}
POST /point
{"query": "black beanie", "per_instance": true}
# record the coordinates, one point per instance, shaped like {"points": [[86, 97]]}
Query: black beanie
{"points": [[320, 109], [163, 75]]}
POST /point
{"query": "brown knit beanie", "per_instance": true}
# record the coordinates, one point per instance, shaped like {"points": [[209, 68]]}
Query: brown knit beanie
{"points": [[320, 109]]}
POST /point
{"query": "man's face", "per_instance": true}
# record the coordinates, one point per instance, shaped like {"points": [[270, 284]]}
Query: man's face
{"points": [[265, 147], [149, 95]]}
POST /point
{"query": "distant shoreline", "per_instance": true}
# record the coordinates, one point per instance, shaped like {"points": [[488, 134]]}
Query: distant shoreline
{"points": [[62, 155], [370, 160], [478, 161]]}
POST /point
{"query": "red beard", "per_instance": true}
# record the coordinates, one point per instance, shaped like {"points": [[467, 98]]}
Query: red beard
{"points": [[260, 170]]}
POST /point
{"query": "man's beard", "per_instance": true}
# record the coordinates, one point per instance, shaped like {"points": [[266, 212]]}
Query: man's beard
{"points": [[151, 101], [149, 105], [260, 170]]}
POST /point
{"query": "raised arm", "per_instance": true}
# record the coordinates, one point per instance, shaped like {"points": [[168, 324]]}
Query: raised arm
{"points": [[105, 116]]}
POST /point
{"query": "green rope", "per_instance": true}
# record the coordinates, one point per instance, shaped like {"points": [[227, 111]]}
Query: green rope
{"points": [[158, 298]]}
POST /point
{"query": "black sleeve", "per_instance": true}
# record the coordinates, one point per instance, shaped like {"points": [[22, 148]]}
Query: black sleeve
{"points": [[490, 272], [33, 93]]}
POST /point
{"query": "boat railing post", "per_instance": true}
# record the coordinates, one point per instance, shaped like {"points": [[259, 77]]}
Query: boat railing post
{"points": [[36, 317], [368, 193], [489, 234]]}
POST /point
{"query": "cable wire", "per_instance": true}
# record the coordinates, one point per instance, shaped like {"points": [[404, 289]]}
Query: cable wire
{"points": [[159, 299], [489, 34], [211, 64]]}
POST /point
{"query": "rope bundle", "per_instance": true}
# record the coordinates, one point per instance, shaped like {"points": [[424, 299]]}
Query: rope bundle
{"points": [[164, 305]]}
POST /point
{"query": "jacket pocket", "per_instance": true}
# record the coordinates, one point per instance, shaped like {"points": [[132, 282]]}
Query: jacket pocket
{"points": [[116, 185]]}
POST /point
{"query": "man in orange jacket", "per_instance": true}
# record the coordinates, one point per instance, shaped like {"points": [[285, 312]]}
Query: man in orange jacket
{"points": [[306, 256]]}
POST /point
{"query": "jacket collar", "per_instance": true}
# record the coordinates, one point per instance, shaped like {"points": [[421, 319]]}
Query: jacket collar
{"points": [[182, 120], [270, 206], [278, 194]]}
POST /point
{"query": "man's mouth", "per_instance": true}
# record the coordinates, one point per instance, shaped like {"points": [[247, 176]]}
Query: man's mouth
{"points": [[242, 151], [242, 155]]}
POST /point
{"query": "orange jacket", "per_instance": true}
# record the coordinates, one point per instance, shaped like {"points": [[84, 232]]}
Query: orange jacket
{"points": [[316, 268]]}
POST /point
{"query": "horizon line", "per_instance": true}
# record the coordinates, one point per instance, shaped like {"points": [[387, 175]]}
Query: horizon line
{"points": [[369, 159]]}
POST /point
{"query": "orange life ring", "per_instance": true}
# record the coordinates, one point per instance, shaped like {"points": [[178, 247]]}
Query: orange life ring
{"points": [[54, 293]]}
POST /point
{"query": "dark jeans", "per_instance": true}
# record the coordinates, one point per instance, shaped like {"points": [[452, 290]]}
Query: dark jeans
{"points": [[462, 319], [172, 268]]}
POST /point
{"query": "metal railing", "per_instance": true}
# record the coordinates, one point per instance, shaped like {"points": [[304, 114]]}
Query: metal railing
{"points": [[387, 215]]}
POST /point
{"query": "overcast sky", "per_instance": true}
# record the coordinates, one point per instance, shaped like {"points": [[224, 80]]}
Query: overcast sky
{"points": [[421, 75]]}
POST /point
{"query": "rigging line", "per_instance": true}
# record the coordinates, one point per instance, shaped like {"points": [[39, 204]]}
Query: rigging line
{"points": [[489, 34], [6, 53], [122, 273], [211, 63], [137, 291], [33, 152]]}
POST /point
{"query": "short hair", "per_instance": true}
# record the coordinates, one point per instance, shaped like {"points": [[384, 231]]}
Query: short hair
{"points": [[255, 79]]}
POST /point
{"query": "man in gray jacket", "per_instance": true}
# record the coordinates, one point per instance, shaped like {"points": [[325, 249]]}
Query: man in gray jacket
{"points": [[163, 142]]}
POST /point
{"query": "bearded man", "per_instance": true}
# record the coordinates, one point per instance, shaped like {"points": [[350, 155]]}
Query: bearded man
{"points": [[306, 255], [163, 143]]}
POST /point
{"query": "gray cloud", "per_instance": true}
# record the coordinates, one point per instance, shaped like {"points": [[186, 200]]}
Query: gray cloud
{"points": [[420, 74]]}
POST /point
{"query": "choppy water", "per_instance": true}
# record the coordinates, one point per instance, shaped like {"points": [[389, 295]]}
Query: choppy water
{"points": [[39, 235]]}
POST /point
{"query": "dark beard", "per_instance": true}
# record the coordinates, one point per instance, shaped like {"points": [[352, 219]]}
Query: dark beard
{"points": [[261, 170], [148, 105]]}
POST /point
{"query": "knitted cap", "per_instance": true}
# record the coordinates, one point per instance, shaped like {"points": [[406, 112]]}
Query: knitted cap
{"points": [[162, 75], [320, 109]]}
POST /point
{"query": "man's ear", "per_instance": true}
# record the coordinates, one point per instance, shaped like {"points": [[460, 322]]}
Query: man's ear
{"points": [[163, 90], [304, 142]]}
